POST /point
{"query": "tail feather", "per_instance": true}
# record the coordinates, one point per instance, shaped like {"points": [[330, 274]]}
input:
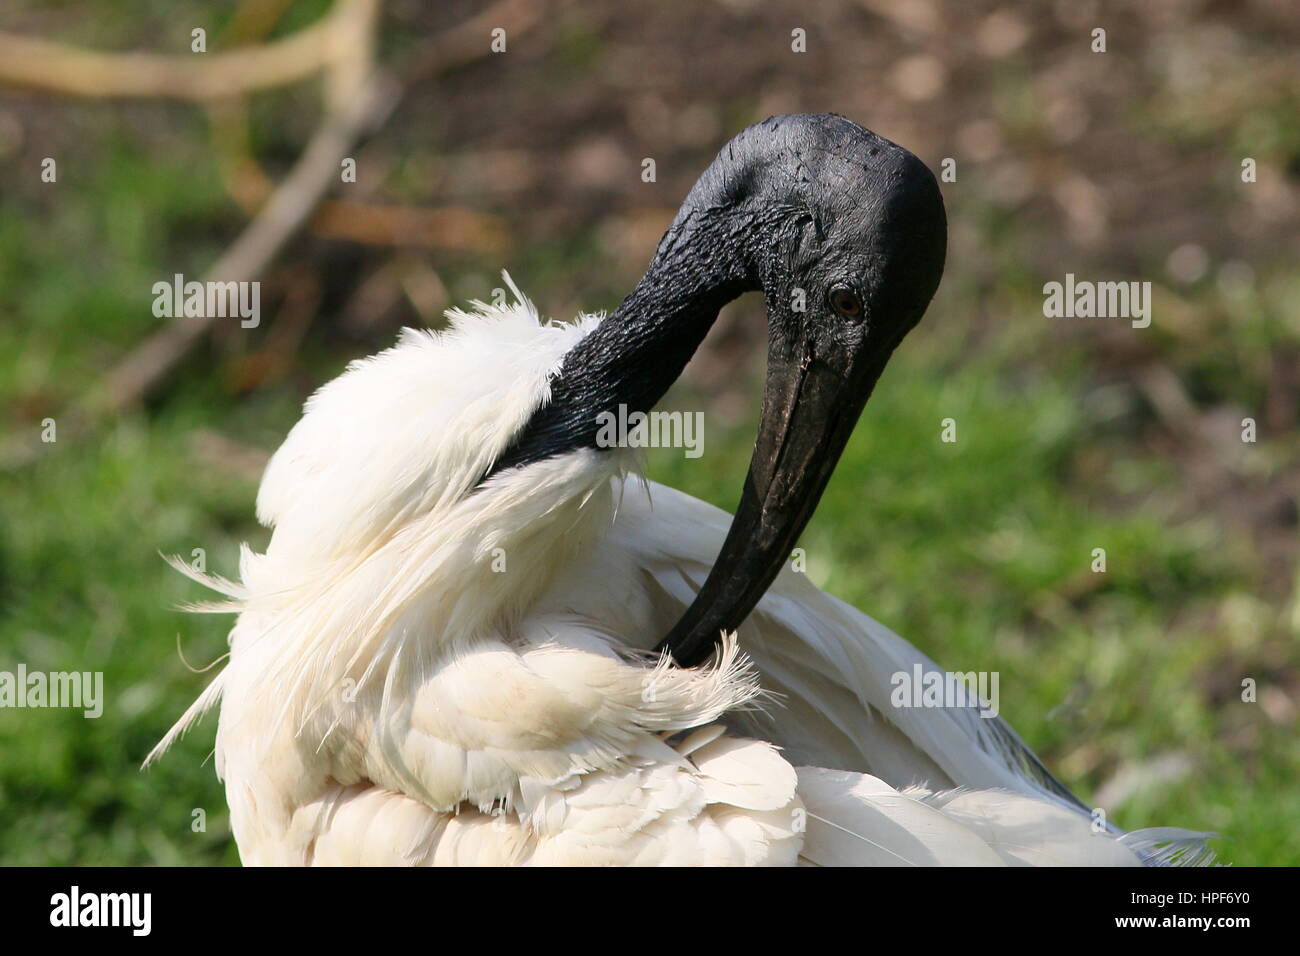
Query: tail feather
{"points": [[1170, 846], [859, 820]]}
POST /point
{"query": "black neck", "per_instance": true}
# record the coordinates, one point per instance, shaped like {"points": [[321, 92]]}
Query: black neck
{"points": [[638, 351]]}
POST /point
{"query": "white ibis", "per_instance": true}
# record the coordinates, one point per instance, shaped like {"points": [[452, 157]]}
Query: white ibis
{"points": [[479, 637]]}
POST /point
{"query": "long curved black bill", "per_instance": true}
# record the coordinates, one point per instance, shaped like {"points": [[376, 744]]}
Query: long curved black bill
{"points": [[809, 411]]}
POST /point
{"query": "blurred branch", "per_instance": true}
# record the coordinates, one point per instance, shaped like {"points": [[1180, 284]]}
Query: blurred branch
{"points": [[379, 224], [466, 41], [286, 212], [340, 47], [72, 71], [453, 227], [384, 224], [358, 99]]}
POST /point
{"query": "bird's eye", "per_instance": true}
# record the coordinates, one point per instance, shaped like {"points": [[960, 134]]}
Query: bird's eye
{"points": [[846, 303]]}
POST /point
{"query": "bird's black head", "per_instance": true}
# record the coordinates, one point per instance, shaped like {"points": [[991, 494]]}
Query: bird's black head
{"points": [[846, 235], [844, 232]]}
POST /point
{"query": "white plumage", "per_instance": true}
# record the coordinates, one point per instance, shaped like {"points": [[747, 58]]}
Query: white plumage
{"points": [[424, 675]]}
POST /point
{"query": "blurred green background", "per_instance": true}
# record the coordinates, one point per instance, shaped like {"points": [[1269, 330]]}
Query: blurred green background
{"points": [[1072, 434]]}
